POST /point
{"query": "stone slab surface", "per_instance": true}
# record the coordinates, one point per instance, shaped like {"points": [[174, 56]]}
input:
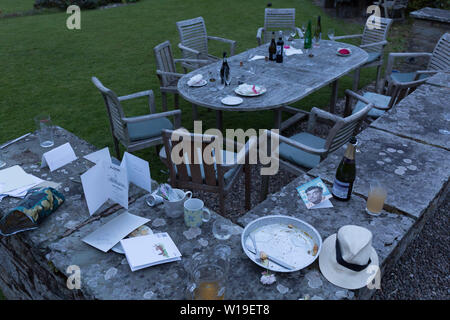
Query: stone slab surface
{"points": [[440, 79], [388, 229], [434, 14], [25, 273], [423, 116], [413, 173], [295, 78]]}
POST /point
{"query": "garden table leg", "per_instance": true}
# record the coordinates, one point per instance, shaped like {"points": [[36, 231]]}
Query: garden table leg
{"points": [[334, 94], [277, 118], [219, 119]]}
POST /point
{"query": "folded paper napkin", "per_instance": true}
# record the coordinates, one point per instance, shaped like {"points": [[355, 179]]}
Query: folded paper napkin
{"points": [[291, 50], [195, 80], [248, 89], [256, 58]]}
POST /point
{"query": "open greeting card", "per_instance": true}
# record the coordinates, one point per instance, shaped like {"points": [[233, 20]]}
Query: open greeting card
{"points": [[315, 194], [147, 251], [107, 181]]}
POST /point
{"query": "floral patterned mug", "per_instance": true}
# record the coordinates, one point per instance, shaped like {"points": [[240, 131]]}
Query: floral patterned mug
{"points": [[195, 213]]}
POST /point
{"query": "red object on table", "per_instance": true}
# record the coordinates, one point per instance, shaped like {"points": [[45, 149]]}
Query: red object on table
{"points": [[344, 51]]}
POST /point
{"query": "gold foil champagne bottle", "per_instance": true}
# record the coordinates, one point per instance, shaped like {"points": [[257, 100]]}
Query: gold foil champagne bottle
{"points": [[345, 174]]}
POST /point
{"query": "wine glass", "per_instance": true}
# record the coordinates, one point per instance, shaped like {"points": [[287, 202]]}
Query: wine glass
{"points": [[2, 162], [293, 34], [303, 30], [228, 78], [331, 34]]}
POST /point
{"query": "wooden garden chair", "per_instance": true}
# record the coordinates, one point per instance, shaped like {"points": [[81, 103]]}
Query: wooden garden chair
{"points": [[195, 173], [138, 132], [194, 42], [373, 41], [274, 21], [167, 73], [305, 150], [390, 6], [439, 61]]}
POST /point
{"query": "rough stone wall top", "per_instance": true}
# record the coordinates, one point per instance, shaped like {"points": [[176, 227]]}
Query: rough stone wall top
{"points": [[432, 14]]}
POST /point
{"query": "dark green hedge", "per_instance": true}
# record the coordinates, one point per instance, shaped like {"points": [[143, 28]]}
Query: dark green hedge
{"points": [[419, 4], [83, 4]]}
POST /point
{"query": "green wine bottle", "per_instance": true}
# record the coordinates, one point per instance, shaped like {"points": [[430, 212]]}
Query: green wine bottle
{"points": [[345, 174], [308, 36]]}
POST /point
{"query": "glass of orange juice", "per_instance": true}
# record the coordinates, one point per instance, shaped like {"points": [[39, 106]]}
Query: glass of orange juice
{"points": [[376, 197], [208, 271]]}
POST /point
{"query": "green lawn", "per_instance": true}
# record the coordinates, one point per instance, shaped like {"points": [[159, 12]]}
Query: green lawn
{"points": [[47, 68], [13, 6]]}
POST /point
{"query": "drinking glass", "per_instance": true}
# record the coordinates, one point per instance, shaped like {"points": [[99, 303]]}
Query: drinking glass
{"points": [[2, 162], [212, 80], [208, 272], [228, 78], [303, 30], [293, 34], [222, 229], [45, 130], [375, 199], [331, 34]]}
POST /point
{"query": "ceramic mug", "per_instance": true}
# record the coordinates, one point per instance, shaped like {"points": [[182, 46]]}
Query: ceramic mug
{"points": [[195, 213], [174, 209]]}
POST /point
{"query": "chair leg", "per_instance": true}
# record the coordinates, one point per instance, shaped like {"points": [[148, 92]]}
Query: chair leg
{"points": [[176, 99], [194, 112], [247, 170], [164, 101], [264, 187], [116, 147], [356, 79], [377, 81], [222, 203]]}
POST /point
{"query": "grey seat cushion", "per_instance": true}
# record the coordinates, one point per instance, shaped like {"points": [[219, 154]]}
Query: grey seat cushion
{"points": [[148, 129], [406, 76], [300, 157], [377, 99]]}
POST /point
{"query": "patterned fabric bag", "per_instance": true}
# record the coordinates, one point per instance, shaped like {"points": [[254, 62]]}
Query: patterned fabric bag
{"points": [[37, 205]]}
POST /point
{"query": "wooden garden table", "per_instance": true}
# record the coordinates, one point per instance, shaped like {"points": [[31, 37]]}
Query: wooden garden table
{"points": [[298, 76]]}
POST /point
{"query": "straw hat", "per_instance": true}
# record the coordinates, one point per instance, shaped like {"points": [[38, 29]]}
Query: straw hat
{"points": [[348, 259]]}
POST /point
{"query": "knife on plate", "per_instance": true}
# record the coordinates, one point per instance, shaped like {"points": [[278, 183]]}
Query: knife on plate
{"points": [[273, 259]]}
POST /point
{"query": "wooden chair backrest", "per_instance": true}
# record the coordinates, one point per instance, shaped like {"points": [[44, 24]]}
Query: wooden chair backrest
{"points": [[193, 35], [165, 62], [440, 60], [374, 32]]}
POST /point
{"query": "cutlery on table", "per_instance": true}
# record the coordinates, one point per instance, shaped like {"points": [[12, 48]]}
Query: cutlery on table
{"points": [[256, 252]]}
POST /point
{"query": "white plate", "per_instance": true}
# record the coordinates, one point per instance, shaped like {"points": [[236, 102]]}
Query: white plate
{"points": [[200, 84], [231, 101], [258, 88], [343, 55], [287, 238], [139, 232]]}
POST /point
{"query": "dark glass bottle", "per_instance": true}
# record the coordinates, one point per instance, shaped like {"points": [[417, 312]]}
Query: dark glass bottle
{"points": [[224, 70], [308, 37], [272, 48], [280, 45], [318, 33], [345, 174]]}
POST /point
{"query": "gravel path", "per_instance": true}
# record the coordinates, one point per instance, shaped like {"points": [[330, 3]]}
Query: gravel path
{"points": [[415, 276]]}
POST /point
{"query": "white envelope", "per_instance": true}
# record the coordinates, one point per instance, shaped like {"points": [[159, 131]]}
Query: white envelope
{"points": [[14, 178], [58, 157], [100, 155], [108, 235]]}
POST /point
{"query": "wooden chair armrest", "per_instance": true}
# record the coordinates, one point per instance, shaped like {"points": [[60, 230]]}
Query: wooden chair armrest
{"points": [[199, 61], [190, 50], [380, 43], [174, 113], [394, 55], [296, 144], [136, 95], [166, 73], [351, 36], [231, 42]]}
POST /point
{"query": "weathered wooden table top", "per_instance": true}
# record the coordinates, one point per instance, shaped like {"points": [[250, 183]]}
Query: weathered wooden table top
{"points": [[287, 82]]}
